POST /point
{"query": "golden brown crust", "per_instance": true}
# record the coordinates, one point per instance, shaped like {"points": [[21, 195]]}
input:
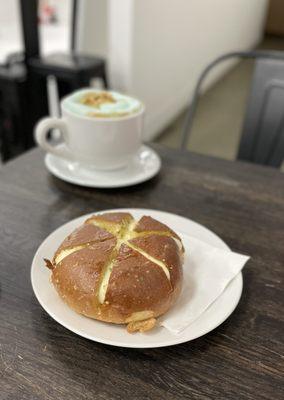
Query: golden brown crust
{"points": [[49, 264], [137, 284], [84, 235], [114, 223], [149, 224], [141, 326], [165, 249], [115, 271], [77, 276], [117, 218]]}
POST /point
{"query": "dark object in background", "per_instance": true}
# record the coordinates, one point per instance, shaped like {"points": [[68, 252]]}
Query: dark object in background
{"points": [[262, 139], [19, 110], [275, 18], [23, 95], [72, 71], [13, 111]]}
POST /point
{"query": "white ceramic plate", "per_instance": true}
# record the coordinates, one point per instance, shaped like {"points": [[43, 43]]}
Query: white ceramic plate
{"points": [[116, 335], [142, 167]]}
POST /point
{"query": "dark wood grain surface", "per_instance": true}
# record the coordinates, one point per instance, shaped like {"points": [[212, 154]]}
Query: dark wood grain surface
{"points": [[241, 359]]}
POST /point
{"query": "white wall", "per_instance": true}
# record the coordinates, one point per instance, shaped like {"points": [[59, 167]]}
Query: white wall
{"points": [[171, 44], [92, 29], [157, 48], [10, 29]]}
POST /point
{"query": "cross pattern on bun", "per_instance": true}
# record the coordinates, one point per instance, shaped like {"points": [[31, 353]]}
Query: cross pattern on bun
{"points": [[118, 270]]}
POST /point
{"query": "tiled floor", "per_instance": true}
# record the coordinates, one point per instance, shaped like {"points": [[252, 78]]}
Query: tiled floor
{"points": [[218, 122]]}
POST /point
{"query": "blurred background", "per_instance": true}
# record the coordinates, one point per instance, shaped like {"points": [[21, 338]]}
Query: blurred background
{"points": [[152, 49]]}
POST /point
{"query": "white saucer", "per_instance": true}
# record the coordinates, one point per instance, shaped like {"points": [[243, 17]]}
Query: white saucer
{"points": [[117, 335], [143, 166]]}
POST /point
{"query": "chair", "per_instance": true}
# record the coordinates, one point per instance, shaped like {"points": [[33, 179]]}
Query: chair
{"points": [[13, 111], [72, 71], [262, 140]]}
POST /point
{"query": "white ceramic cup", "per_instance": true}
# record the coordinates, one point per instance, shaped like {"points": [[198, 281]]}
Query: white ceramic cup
{"points": [[102, 143]]}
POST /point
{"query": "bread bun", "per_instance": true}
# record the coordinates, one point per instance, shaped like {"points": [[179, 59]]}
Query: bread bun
{"points": [[117, 270]]}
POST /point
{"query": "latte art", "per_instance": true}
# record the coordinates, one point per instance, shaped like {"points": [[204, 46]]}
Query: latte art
{"points": [[96, 99], [101, 104]]}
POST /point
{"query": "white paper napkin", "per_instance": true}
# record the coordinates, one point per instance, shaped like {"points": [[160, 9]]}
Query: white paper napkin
{"points": [[207, 272]]}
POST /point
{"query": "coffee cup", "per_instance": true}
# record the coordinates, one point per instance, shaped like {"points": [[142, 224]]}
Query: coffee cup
{"points": [[104, 132]]}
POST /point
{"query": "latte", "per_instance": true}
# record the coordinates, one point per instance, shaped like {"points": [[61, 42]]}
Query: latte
{"points": [[101, 104]]}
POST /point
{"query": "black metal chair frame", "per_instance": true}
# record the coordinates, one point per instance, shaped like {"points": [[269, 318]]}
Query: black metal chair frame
{"points": [[275, 155]]}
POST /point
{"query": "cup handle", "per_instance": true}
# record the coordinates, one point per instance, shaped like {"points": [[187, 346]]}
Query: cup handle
{"points": [[41, 131]]}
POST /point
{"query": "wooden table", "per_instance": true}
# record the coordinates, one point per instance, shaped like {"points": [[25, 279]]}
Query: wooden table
{"points": [[241, 359]]}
